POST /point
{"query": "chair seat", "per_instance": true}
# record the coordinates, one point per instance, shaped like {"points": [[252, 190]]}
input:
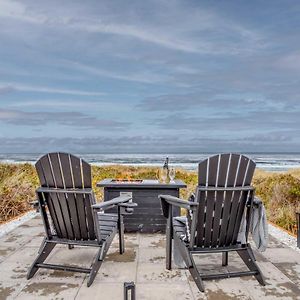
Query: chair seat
{"points": [[108, 224], [180, 228]]}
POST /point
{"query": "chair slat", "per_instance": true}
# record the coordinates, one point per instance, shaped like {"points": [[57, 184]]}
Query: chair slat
{"points": [[240, 212], [74, 216], [89, 216], [217, 217], [223, 167], [250, 172], [76, 171], [202, 170], [66, 169], [82, 216], [222, 177], [59, 214], [210, 204], [87, 174], [232, 216], [232, 172], [40, 173], [66, 215], [200, 195], [213, 166], [213, 163], [242, 171], [53, 158], [52, 211], [45, 164]]}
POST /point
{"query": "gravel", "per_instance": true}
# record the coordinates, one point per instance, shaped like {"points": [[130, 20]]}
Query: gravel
{"points": [[7, 227], [283, 237]]}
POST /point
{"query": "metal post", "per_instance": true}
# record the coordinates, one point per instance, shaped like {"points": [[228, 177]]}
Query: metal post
{"points": [[129, 286], [298, 229]]}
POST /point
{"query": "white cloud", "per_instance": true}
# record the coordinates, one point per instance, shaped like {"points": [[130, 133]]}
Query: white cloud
{"points": [[44, 89], [187, 30]]}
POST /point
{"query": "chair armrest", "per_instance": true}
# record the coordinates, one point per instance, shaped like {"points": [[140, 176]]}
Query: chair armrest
{"points": [[111, 203], [128, 204], [167, 200]]}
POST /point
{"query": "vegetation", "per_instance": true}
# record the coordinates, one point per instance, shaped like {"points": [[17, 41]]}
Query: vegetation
{"points": [[280, 192]]}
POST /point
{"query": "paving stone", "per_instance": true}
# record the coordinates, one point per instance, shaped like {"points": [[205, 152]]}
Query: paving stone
{"points": [[113, 272], [6, 251], [152, 240], [151, 272], [49, 290], [291, 270], [278, 286], [229, 288], [162, 291], [15, 240], [9, 289], [101, 290], [152, 255], [144, 263], [279, 255]]}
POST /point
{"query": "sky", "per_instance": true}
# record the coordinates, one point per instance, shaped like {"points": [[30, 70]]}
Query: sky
{"points": [[149, 76]]}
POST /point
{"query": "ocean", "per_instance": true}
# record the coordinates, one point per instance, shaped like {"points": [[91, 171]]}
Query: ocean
{"points": [[266, 161]]}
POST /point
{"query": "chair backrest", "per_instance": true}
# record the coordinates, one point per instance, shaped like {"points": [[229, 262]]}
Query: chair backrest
{"points": [[223, 192], [71, 212]]}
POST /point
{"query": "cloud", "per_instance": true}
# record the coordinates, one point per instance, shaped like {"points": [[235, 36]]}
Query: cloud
{"points": [[206, 100], [290, 61], [6, 90], [151, 144], [143, 77], [44, 89], [234, 124], [73, 119], [214, 33]]}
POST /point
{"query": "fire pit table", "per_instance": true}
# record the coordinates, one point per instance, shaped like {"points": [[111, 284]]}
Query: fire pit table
{"points": [[147, 216]]}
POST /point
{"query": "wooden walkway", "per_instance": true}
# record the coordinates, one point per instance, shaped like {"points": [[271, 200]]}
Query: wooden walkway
{"points": [[143, 263]]}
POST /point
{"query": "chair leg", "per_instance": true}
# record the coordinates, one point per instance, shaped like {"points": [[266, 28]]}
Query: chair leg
{"points": [[96, 265], [224, 259], [44, 252], [121, 234], [247, 256], [169, 248], [196, 275]]}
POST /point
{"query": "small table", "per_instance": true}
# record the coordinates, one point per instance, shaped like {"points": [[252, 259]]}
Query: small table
{"points": [[147, 216]]}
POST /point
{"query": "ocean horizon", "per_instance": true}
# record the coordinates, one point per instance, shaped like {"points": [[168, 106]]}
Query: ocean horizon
{"points": [[276, 162]]}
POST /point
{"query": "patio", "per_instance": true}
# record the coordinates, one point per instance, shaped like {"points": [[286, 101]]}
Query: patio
{"points": [[143, 263]]}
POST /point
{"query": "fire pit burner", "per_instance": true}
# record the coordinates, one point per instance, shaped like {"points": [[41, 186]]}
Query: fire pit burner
{"points": [[127, 181]]}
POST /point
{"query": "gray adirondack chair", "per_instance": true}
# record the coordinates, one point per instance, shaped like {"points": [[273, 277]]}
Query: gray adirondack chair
{"points": [[70, 213], [223, 196]]}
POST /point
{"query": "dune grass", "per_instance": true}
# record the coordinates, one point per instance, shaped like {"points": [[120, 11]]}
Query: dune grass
{"points": [[279, 191]]}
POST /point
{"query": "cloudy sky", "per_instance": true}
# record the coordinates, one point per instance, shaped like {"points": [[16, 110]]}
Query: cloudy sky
{"points": [[149, 76]]}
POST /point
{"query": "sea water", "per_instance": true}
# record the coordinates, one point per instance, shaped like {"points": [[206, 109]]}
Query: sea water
{"points": [[265, 161]]}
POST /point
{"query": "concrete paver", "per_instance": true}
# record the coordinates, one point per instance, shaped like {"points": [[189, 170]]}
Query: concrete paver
{"points": [[144, 263]]}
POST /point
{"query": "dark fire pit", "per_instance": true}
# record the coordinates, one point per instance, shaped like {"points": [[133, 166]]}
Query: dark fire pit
{"points": [[147, 216]]}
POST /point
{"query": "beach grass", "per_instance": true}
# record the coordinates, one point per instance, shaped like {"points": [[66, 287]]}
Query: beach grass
{"points": [[280, 192]]}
